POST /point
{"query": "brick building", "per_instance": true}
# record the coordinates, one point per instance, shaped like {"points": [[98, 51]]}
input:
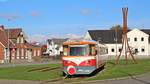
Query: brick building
{"points": [[17, 48]]}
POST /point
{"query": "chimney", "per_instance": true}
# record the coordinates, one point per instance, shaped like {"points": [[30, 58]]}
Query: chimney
{"points": [[2, 27]]}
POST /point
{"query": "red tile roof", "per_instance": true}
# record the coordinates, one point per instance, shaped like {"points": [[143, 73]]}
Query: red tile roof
{"points": [[4, 38], [32, 45], [13, 33]]}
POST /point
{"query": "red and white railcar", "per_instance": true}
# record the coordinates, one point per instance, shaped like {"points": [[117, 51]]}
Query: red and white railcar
{"points": [[83, 57]]}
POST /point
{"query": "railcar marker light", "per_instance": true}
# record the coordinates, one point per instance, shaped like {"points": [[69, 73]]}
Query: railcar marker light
{"points": [[87, 61], [68, 61]]}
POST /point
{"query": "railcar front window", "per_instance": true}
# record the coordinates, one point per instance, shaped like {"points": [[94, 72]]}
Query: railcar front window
{"points": [[77, 51]]}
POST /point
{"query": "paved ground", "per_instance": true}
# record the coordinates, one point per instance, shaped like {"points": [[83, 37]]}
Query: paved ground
{"points": [[143, 79], [26, 64], [17, 82]]}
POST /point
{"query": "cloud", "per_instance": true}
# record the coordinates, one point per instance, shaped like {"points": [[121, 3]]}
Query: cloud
{"points": [[73, 36], [10, 16], [43, 38], [98, 12], [37, 38], [34, 13], [86, 12], [139, 23]]}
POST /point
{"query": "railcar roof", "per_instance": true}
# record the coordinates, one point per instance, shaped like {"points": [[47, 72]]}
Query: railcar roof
{"points": [[79, 42]]}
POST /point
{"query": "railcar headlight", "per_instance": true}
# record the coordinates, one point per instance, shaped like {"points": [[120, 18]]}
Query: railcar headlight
{"points": [[71, 70]]}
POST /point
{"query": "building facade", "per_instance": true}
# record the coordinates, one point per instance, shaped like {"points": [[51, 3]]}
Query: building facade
{"points": [[5, 46], [54, 46], [139, 41], [16, 48]]}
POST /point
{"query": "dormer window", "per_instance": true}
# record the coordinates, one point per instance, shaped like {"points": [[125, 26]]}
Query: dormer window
{"points": [[136, 50], [18, 40], [22, 40], [21, 33], [135, 39], [112, 50], [142, 50], [142, 39]]}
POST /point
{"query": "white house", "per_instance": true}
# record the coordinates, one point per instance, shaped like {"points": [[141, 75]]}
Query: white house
{"points": [[54, 46], [138, 40]]}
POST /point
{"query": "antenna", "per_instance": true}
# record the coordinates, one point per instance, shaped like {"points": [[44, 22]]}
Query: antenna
{"points": [[125, 44]]}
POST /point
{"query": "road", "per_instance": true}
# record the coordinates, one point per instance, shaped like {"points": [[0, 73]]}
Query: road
{"points": [[142, 79]]}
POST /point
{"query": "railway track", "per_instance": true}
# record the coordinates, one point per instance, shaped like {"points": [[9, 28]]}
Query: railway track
{"points": [[63, 79], [44, 69]]}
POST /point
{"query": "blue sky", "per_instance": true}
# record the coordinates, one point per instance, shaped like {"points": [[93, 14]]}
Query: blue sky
{"points": [[67, 17]]}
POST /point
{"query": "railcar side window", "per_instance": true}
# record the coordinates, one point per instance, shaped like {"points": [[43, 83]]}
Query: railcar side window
{"points": [[92, 50], [65, 49]]}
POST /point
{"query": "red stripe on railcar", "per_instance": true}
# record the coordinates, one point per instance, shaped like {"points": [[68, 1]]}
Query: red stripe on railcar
{"points": [[91, 62], [68, 63]]}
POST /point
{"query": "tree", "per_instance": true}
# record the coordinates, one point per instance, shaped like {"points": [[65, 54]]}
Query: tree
{"points": [[118, 27]]}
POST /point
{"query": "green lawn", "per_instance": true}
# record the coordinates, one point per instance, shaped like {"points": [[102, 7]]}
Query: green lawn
{"points": [[53, 71], [122, 70], [31, 72]]}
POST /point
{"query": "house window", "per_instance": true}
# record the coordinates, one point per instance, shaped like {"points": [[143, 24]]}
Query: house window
{"points": [[26, 53], [142, 39], [34, 52], [18, 40], [22, 52], [120, 49], [112, 50], [22, 41], [17, 52], [142, 50], [106, 50], [136, 50], [38, 53], [135, 39]]}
